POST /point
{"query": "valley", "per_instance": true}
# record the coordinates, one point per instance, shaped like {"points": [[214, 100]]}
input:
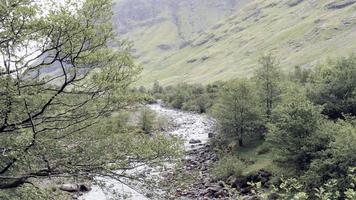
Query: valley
{"points": [[178, 99], [227, 38]]}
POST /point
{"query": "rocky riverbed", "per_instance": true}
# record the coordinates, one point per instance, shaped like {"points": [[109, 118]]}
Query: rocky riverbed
{"points": [[194, 129]]}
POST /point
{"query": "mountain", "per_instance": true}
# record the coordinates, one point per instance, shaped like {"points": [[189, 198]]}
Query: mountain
{"points": [[201, 41]]}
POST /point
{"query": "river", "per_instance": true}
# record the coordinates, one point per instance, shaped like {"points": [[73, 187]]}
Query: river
{"points": [[187, 125]]}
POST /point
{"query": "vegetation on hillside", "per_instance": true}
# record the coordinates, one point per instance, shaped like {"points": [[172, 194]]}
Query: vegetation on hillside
{"points": [[303, 33]]}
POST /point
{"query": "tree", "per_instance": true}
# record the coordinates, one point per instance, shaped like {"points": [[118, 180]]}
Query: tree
{"points": [[142, 89], [334, 86], [237, 111], [335, 161], [147, 120], [157, 88], [59, 77], [268, 77], [296, 132], [300, 75]]}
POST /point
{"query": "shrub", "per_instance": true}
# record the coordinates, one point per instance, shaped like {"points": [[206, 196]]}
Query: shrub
{"points": [[334, 86], [147, 120], [228, 166], [263, 149], [337, 159], [297, 133]]}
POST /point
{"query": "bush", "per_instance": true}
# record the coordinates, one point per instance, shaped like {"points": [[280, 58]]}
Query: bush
{"points": [[147, 120], [195, 98], [297, 134], [337, 159], [28, 192], [228, 166], [161, 124], [334, 86], [263, 149]]}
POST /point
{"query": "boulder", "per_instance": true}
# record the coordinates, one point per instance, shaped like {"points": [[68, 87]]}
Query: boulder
{"points": [[70, 187], [84, 188], [221, 184], [75, 188], [221, 193], [194, 141]]}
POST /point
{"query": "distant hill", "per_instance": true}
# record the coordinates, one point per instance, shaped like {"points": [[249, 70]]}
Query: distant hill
{"points": [[208, 40]]}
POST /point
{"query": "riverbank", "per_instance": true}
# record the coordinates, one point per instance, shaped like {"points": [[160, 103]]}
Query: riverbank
{"points": [[193, 128]]}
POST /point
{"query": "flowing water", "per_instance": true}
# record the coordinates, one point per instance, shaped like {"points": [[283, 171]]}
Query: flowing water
{"points": [[189, 126]]}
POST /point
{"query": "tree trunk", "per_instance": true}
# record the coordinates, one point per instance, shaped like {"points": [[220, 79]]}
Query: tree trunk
{"points": [[241, 144]]}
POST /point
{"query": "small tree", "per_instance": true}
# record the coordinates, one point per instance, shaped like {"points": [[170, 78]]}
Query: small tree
{"points": [[147, 120], [157, 88], [296, 133], [337, 159], [237, 111], [268, 77]]}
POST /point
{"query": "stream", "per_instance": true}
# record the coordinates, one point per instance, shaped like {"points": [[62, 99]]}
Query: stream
{"points": [[192, 127]]}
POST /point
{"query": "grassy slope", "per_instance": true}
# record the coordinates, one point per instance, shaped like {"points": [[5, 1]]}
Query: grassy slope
{"points": [[258, 161], [305, 34]]}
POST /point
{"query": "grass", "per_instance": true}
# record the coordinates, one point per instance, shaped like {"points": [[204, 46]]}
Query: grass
{"points": [[260, 161], [301, 35]]}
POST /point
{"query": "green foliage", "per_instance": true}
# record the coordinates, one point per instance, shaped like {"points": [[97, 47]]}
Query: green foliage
{"points": [[263, 149], [300, 75], [56, 104], [196, 98], [114, 147], [157, 88], [334, 86], [296, 133], [335, 161], [237, 112], [228, 166], [292, 188], [147, 120], [268, 78], [28, 192], [328, 191]]}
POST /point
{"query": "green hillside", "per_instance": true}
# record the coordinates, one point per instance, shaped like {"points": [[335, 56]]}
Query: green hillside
{"points": [[298, 32]]}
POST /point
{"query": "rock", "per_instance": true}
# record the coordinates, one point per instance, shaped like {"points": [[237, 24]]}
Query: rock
{"points": [[164, 47], [221, 193], [231, 180], [194, 141], [292, 3], [221, 184], [211, 135], [240, 182], [70, 188], [213, 189], [75, 188], [149, 195], [84, 188], [246, 190], [251, 198], [340, 4], [192, 60]]}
